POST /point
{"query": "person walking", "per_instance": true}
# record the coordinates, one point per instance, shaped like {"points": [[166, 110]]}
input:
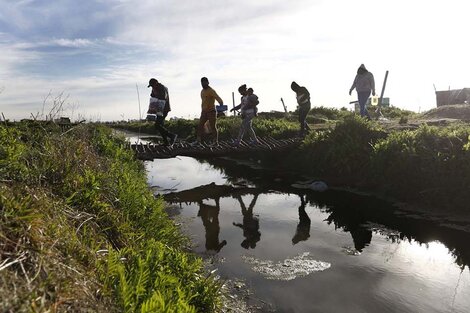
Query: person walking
{"points": [[160, 105], [304, 105], [364, 84], [248, 110], [208, 111]]}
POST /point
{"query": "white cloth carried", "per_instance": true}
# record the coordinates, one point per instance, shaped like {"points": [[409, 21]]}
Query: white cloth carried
{"points": [[156, 106]]}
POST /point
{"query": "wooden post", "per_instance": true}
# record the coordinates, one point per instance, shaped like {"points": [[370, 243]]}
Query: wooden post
{"points": [[285, 108]]}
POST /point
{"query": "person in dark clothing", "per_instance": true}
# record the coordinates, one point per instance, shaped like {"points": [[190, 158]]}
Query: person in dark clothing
{"points": [[303, 228], [364, 84], [250, 224], [303, 100], [210, 219], [160, 105]]}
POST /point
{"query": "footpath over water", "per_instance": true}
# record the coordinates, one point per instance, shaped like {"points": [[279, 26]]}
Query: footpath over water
{"points": [[267, 144]]}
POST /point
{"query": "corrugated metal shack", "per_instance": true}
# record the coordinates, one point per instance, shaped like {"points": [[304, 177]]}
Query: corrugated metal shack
{"points": [[456, 96]]}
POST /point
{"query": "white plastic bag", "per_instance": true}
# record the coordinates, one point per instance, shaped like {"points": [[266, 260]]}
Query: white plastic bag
{"points": [[156, 106]]}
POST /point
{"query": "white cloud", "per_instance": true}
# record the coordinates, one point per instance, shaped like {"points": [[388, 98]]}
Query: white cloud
{"points": [[265, 44], [75, 43]]}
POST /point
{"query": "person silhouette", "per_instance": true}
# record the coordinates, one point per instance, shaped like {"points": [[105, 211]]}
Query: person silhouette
{"points": [[352, 222], [303, 100], [250, 224], [364, 84], [303, 228], [160, 93], [210, 219]]}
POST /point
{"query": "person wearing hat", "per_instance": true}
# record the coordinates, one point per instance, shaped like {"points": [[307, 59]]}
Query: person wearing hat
{"points": [[208, 111], [303, 100], [160, 93], [364, 84]]}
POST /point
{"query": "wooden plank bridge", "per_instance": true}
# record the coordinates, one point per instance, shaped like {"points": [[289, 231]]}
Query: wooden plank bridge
{"points": [[151, 151]]}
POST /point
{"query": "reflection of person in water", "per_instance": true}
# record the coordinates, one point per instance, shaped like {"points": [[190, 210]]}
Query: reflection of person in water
{"points": [[210, 219], [361, 237], [250, 224], [351, 221], [303, 228]]}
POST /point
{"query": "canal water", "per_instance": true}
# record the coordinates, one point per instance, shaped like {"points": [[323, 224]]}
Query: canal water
{"points": [[298, 250]]}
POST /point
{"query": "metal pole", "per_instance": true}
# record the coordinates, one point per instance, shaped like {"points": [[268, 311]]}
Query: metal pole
{"points": [[383, 88]]}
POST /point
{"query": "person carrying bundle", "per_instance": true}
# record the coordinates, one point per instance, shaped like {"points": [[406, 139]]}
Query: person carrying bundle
{"points": [[158, 110]]}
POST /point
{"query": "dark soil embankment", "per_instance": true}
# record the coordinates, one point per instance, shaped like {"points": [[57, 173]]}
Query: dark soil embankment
{"points": [[454, 111]]}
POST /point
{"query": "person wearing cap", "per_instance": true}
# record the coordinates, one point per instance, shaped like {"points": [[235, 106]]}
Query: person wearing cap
{"points": [[160, 92], [364, 84], [208, 111], [303, 100]]}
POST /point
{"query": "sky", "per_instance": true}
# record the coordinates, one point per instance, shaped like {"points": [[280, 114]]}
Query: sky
{"points": [[92, 59]]}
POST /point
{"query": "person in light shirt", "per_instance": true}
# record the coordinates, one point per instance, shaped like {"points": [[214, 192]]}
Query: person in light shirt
{"points": [[248, 109]]}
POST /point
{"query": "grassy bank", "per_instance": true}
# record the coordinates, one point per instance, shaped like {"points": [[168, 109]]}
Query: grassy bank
{"points": [[80, 231], [429, 165]]}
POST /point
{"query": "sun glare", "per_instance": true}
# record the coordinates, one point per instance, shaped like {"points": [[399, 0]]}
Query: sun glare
{"points": [[433, 251]]}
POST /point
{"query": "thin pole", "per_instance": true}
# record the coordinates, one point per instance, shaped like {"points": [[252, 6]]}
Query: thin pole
{"points": [[383, 88], [285, 108], [233, 101], [138, 99], [140, 114], [379, 110]]}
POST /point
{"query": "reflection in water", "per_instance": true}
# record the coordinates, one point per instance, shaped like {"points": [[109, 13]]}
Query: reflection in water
{"points": [[250, 224], [410, 266], [210, 219], [303, 228], [351, 221], [361, 235]]}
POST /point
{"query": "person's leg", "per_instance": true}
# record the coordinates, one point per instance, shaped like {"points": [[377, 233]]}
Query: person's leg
{"points": [[249, 127], [302, 116], [362, 97], [303, 111], [200, 128], [241, 132], [162, 130], [212, 117]]}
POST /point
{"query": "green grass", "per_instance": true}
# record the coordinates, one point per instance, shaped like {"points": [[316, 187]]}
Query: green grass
{"points": [[429, 165], [80, 230]]}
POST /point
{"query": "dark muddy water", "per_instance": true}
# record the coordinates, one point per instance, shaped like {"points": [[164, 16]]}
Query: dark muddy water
{"points": [[304, 251]]}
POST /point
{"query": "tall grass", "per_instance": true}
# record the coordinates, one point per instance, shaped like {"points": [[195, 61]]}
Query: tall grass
{"points": [[429, 165], [343, 151], [80, 230]]}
